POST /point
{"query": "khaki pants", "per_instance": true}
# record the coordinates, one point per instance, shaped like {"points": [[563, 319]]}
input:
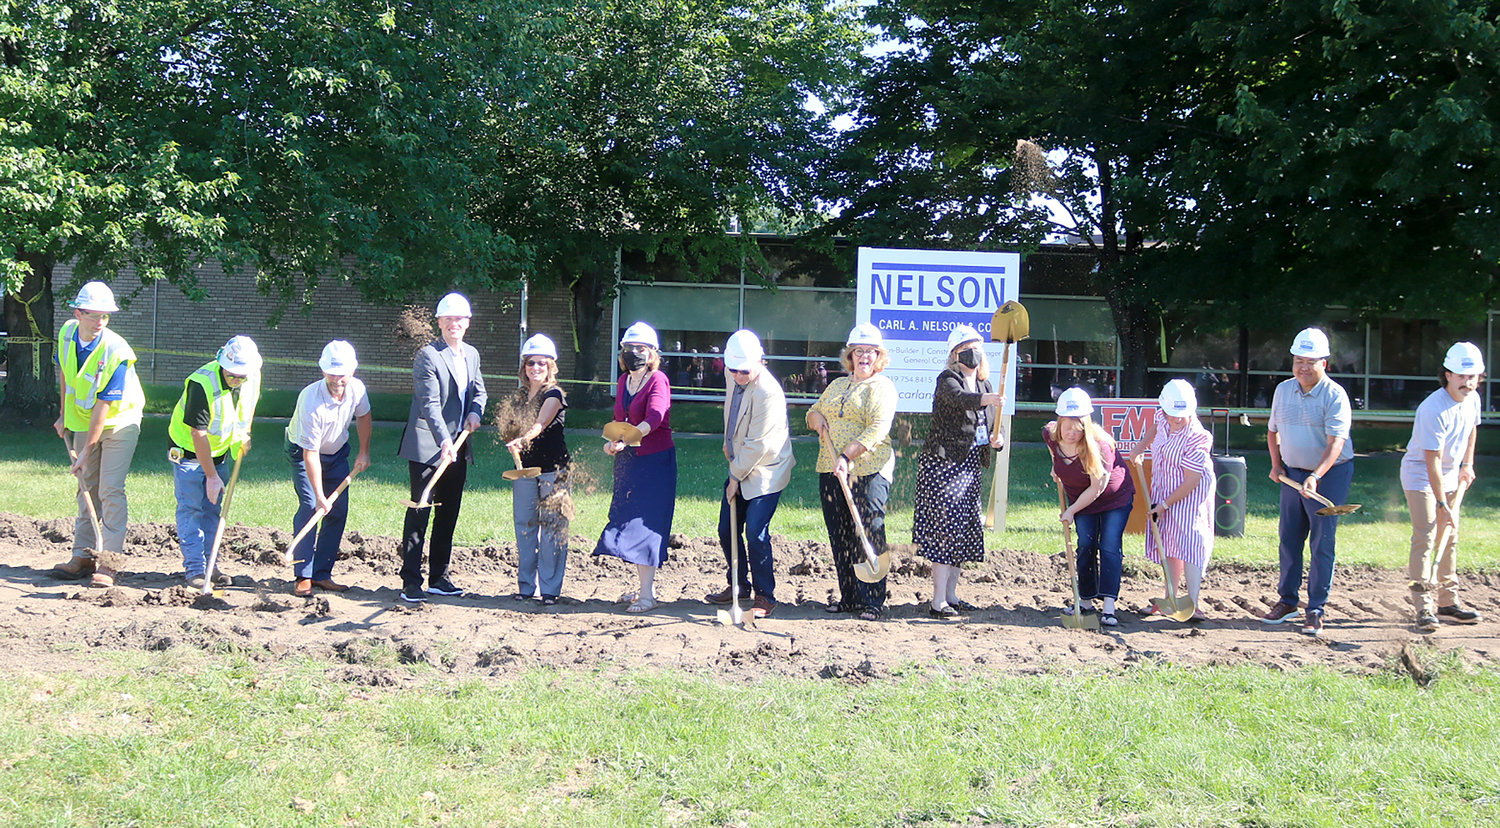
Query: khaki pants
{"points": [[1438, 590], [103, 476]]}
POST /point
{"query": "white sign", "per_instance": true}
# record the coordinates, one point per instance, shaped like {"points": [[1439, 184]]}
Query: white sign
{"points": [[917, 297]]}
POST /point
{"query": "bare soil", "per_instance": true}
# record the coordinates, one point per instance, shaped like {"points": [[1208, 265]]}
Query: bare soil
{"points": [[368, 632]]}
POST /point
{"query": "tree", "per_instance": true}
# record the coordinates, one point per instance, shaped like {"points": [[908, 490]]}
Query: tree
{"points": [[1351, 161], [656, 122], [294, 140], [993, 126]]}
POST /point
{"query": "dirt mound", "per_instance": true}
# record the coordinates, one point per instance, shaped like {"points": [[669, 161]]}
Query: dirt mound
{"points": [[370, 635]]}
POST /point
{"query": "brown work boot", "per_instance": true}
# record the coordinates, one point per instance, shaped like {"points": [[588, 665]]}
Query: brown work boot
{"points": [[103, 577], [330, 585], [77, 567]]}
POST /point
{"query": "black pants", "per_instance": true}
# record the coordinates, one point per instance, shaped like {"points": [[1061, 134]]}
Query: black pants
{"points": [[448, 494], [870, 495]]}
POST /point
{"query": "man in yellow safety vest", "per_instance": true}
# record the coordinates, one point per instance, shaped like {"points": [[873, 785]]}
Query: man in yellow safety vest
{"points": [[100, 419]]}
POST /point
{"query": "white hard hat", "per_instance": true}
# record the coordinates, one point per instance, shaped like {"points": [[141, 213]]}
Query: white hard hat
{"points": [[97, 297], [1074, 402], [1464, 358], [454, 304], [961, 335], [865, 334], [240, 356], [641, 334], [1178, 398], [743, 351], [1311, 343], [338, 359], [539, 345]]}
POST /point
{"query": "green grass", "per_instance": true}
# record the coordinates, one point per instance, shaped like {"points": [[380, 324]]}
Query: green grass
{"points": [[32, 464], [187, 738]]}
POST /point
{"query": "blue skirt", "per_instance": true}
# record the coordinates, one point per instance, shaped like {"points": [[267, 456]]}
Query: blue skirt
{"points": [[640, 513]]}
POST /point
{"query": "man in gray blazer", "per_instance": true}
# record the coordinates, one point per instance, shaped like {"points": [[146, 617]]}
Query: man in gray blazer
{"points": [[448, 399], [758, 446]]}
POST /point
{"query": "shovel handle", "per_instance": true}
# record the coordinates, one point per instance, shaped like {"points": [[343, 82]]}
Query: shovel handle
{"points": [[859, 525], [88, 499], [317, 515], [442, 466], [213, 552], [1315, 496]]}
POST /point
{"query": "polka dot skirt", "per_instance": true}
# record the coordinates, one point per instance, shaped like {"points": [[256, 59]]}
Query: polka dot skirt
{"points": [[946, 522]]}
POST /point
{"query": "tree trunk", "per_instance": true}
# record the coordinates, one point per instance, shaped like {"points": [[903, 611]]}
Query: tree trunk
{"points": [[1132, 326], [592, 291], [30, 382]]}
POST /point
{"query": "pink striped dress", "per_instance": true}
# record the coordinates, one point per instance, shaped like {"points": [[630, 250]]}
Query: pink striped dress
{"points": [[1187, 527]]}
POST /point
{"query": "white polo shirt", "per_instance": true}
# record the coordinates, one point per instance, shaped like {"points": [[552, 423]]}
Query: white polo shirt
{"points": [[320, 422]]}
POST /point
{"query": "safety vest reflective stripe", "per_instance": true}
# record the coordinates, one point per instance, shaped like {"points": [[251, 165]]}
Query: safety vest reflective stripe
{"points": [[82, 383]]}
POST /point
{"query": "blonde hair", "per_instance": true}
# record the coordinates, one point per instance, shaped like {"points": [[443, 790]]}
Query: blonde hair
{"points": [[846, 358], [981, 373], [1093, 435]]}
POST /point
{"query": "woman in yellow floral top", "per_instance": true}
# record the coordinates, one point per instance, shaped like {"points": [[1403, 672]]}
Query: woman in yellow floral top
{"points": [[854, 415]]}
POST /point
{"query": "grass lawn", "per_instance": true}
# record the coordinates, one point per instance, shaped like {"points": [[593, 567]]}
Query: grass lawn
{"points": [[32, 463], [192, 738]]}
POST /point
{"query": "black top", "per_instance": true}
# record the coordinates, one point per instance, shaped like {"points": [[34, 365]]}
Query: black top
{"points": [[956, 415], [197, 413], [549, 451]]}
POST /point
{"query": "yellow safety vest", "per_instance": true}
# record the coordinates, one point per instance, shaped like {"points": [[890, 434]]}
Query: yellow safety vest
{"points": [[82, 383], [229, 424]]}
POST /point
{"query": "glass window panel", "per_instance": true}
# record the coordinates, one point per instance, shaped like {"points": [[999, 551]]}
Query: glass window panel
{"points": [[668, 307]]}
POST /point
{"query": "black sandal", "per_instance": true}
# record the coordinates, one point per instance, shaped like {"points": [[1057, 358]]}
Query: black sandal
{"points": [[870, 614]]}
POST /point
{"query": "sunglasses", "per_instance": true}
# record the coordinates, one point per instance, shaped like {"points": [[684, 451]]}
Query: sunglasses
{"points": [[637, 349], [536, 363], [738, 370]]}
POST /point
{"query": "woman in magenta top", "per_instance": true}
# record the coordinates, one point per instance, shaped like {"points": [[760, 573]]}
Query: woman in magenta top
{"points": [[1100, 494], [645, 491]]}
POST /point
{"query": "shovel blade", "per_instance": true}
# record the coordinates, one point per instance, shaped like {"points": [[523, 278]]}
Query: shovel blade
{"points": [[736, 617], [1335, 511], [1011, 323], [513, 474], [1182, 610], [412, 504], [869, 573], [1081, 621]]}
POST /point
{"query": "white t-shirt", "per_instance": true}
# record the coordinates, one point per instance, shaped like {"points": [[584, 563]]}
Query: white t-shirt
{"points": [[1443, 425], [320, 422]]}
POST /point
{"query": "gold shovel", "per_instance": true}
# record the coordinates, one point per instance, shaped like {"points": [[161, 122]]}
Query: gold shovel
{"points": [[1078, 620], [317, 515], [88, 500], [1010, 324], [1328, 510], [624, 432], [734, 616], [520, 471], [874, 567], [213, 551], [1174, 607], [442, 466]]}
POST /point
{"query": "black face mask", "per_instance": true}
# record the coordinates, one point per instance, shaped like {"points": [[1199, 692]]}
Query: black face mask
{"points": [[969, 358], [633, 360]]}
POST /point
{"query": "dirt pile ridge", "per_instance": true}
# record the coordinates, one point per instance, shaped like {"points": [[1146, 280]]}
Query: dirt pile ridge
{"points": [[369, 632]]}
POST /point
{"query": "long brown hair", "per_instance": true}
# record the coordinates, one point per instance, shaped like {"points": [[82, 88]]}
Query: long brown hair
{"points": [[1093, 435]]}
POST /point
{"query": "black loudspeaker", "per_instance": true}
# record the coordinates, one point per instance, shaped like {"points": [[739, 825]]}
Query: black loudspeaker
{"points": [[1229, 496]]}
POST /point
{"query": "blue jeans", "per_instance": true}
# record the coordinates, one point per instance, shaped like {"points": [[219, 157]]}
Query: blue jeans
{"points": [[1101, 552], [753, 518], [1299, 519], [315, 554], [541, 539], [197, 518]]}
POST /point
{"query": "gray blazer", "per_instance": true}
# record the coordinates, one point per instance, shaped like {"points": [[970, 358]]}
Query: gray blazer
{"points": [[438, 406]]}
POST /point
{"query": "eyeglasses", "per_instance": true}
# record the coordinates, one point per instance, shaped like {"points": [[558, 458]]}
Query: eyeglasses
{"points": [[635, 349], [738, 371], [865, 352], [228, 377], [536, 363]]}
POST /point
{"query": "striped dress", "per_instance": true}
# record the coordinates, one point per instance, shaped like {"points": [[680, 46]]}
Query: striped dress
{"points": [[1187, 527]]}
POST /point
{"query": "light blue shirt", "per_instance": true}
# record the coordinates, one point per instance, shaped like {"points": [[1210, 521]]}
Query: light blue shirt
{"points": [[1304, 420]]}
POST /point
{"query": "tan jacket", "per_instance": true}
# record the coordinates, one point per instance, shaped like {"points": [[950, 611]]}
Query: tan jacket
{"points": [[762, 442]]}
